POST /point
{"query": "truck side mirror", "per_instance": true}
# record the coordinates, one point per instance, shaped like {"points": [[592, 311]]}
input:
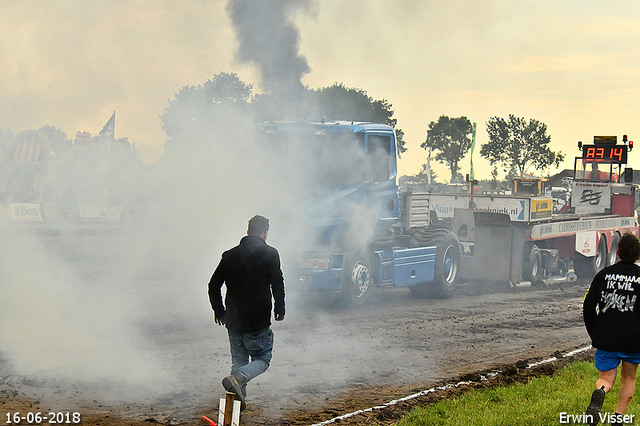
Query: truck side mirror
{"points": [[627, 176]]}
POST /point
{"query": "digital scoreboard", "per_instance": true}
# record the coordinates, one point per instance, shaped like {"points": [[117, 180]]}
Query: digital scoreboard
{"points": [[615, 154]]}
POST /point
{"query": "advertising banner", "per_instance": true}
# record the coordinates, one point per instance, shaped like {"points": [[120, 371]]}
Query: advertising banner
{"points": [[519, 209], [591, 197], [571, 227], [21, 212]]}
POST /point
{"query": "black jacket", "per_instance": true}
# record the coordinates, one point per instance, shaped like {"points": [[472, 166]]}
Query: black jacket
{"points": [[251, 272], [611, 308]]}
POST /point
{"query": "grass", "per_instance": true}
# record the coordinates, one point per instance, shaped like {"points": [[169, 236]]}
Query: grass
{"points": [[538, 402]]}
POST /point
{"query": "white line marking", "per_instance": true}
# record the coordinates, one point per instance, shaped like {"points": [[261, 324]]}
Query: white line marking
{"points": [[428, 391]]}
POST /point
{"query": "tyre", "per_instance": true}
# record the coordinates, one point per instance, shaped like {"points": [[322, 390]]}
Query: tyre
{"points": [[600, 260], [613, 252], [532, 266], [588, 267], [358, 281], [447, 263]]}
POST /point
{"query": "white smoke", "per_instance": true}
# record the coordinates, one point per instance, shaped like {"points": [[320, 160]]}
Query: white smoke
{"points": [[56, 323], [88, 306]]}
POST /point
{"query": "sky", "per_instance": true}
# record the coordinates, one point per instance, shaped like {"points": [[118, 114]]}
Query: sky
{"points": [[571, 64]]}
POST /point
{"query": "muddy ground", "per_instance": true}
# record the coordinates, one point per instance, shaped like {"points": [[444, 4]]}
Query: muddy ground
{"points": [[330, 362]]}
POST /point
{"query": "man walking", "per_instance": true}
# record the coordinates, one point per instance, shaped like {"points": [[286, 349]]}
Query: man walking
{"points": [[611, 312], [251, 271]]}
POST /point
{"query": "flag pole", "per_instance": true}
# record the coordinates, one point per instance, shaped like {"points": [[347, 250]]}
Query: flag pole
{"points": [[473, 146], [427, 169]]}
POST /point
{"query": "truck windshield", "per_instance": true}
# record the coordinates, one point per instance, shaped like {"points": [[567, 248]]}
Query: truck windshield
{"points": [[338, 159], [345, 159], [379, 148]]}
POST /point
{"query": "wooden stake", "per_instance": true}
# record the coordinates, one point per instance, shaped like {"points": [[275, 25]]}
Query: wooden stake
{"points": [[228, 409]]}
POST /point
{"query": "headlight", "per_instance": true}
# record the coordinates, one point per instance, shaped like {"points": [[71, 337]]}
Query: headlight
{"points": [[314, 263]]}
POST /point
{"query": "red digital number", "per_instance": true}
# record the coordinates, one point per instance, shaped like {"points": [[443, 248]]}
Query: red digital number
{"points": [[613, 154], [595, 152], [616, 152]]}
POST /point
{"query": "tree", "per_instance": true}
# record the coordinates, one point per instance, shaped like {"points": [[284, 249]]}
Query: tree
{"points": [[57, 138], [519, 145], [400, 141], [338, 102], [6, 138], [451, 139], [226, 100], [426, 174], [201, 108]]}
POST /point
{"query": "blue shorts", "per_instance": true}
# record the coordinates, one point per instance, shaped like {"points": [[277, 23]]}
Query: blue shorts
{"points": [[606, 361]]}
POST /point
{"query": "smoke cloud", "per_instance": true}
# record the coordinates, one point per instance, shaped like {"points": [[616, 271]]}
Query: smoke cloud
{"points": [[85, 304], [270, 40]]}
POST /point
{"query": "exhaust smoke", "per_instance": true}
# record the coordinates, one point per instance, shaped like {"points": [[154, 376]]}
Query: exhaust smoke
{"points": [[269, 40], [112, 314]]}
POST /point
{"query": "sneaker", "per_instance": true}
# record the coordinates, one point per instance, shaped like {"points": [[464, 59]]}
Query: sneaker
{"points": [[616, 419], [234, 384], [597, 399]]}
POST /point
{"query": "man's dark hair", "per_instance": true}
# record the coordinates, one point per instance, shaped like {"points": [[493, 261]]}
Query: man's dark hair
{"points": [[258, 225], [629, 248]]}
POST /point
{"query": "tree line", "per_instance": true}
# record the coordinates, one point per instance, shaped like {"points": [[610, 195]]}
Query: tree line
{"points": [[225, 99], [514, 143]]}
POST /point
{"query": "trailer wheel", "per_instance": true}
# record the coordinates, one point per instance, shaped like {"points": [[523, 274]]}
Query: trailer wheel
{"points": [[532, 268], [447, 266], [613, 252], [358, 281], [600, 261], [588, 267]]}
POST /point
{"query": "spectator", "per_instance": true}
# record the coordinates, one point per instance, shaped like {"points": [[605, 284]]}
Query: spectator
{"points": [[612, 319], [251, 271]]}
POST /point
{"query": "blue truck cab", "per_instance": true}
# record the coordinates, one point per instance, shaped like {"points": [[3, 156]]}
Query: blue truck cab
{"points": [[362, 228]]}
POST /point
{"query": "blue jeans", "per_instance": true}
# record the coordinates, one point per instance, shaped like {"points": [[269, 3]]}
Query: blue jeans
{"points": [[258, 345]]}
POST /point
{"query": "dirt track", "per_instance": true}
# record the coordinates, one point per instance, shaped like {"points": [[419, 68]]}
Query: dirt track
{"points": [[329, 362]]}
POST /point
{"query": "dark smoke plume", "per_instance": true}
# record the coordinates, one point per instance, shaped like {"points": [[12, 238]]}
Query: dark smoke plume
{"points": [[269, 40]]}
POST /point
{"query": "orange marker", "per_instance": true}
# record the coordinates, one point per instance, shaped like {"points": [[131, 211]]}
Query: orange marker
{"points": [[209, 420]]}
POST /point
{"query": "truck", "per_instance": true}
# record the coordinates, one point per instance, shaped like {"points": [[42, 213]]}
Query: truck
{"points": [[367, 233], [535, 243]]}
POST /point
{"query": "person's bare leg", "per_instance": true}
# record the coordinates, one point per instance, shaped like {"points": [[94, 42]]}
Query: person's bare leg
{"points": [[603, 385], [627, 385], [607, 379]]}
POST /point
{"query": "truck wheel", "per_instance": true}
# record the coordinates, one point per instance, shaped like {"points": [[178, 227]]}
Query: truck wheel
{"points": [[613, 252], [447, 266], [600, 260], [588, 267], [532, 267], [358, 282]]}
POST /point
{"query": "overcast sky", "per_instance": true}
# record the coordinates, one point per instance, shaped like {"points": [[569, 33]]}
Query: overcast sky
{"points": [[572, 64]]}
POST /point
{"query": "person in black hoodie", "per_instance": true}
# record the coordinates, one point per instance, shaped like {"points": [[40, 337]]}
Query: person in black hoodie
{"points": [[251, 272], [611, 311]]}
